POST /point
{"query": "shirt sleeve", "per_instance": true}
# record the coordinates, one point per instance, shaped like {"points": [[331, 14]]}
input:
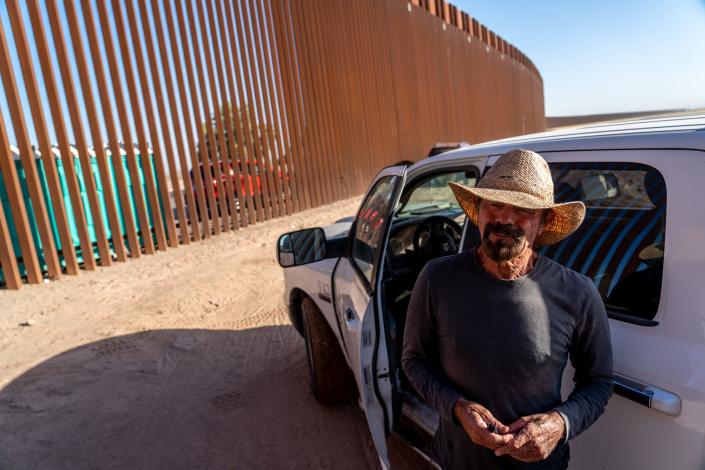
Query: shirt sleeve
{"points": [[591, 356], [420, 360]]}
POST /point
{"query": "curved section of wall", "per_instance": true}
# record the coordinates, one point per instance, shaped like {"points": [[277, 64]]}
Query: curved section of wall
{"points": [[382, 81]]}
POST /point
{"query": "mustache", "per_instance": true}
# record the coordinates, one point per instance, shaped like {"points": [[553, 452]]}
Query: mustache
{"points": [[504, 230]]}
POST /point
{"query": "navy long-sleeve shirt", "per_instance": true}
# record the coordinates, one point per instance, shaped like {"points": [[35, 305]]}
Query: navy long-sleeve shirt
{"points": [[504, 344]]}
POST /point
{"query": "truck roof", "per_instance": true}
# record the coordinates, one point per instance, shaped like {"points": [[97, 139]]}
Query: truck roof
{"points": [[675, 131]]}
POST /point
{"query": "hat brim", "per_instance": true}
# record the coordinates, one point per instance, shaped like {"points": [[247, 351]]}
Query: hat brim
{"points": [[567, 216]]}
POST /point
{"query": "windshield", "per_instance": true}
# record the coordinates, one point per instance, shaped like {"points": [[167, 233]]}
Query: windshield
{"points": [[434, 193]]}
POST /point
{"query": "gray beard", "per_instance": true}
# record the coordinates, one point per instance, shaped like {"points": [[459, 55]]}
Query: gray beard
{"points": [[502, 251]]}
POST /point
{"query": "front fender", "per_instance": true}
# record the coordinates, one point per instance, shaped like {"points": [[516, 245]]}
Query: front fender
{"points": [[314, 281]]}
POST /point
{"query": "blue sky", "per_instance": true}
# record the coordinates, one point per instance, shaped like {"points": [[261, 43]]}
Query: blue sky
{"points": [[606, 56]]}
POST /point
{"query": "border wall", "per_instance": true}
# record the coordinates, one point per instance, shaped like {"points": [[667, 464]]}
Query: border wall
{"points": [[134, 126]]}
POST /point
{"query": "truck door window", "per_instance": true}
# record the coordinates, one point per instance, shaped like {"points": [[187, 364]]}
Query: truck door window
{"points": [[369, 226], [620, 245], [434, 194], [428, 197]]}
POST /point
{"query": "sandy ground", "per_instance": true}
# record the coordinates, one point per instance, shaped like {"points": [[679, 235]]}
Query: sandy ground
{"points": [[181, 360]]}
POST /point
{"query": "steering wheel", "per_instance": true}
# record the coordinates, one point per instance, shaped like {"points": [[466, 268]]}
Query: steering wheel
{"points": [[436, 236]]}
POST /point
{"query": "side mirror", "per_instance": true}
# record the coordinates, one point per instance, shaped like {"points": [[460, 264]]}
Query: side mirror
{"points": [[301, 247], [596, 187]]}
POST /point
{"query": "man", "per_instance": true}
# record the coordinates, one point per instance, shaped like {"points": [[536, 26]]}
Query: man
{"points": [[489, 331]]}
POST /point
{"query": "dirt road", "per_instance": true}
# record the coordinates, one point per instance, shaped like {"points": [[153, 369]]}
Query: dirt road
{"points": [[182, 360]]}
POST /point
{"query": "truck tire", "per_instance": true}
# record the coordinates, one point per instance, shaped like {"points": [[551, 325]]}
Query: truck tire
{"points": [[330, 381]]}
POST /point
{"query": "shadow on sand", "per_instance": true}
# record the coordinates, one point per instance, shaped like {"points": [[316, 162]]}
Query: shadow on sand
{"points": [[178, 399]]}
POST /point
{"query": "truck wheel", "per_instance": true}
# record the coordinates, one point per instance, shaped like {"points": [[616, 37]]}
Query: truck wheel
{"points": [[330, 378]]}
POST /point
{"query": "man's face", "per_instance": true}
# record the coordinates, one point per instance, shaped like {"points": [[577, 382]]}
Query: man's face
{"points": [[507, 230]]}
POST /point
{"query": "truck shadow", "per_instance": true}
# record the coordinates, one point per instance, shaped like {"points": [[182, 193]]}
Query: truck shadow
{"points": [[179, 399]]}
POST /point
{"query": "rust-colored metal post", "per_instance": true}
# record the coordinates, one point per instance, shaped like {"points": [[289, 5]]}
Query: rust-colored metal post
{"points": [[288, 187], [257, 121], [345, 124], [446, 11], [108, 198], [164, 124], [315, 155], [367, 78], [312, 105], [42, 131], [338, 84], [29, 164], [390, 96], [432, 7], [292, 102], [218, 110], [244, 150], [275, 167], [247, 116], [117, 164], [8, 262], [333, 115], [137, 48], [19, 212], [233, 135], [382, 121], [147, 241], [188, 124], [287, 156], [63, 140], [145, 158], [299, 65], [459, 19], [199, 123], [256, 85]]}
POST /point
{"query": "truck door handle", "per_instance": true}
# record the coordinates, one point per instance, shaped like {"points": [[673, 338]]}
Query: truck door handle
{"points": [[349, 314], [647, 395], [351, 321]]}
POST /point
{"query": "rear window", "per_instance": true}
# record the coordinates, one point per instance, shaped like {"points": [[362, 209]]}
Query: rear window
{"points": [[620, 245]]}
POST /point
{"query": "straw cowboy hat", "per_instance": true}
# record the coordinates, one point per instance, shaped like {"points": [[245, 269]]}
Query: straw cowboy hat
{"points": [[522, 178]]}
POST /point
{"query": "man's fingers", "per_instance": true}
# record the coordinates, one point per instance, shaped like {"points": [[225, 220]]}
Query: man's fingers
{"points": [[507, 448], [486, 434], [483, 418], [488, 422], [493, 440], [523, 437], [494, 424], [499, 427], [514, 444], [523, 421], [478, 420], [516, 425], [501, 439]]}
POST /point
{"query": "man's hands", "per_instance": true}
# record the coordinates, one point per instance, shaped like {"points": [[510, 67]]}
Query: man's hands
{"points": [[483, 428], [536, 437], [529, 439]]}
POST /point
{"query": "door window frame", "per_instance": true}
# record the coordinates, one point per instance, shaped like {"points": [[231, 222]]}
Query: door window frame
{"points": [[369, 285]]}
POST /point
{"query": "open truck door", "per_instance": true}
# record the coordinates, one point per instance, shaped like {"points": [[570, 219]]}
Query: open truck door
{"points": [[356, 283]]}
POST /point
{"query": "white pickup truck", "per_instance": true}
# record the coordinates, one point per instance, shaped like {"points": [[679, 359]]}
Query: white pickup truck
{"points": [[642, 243]]}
